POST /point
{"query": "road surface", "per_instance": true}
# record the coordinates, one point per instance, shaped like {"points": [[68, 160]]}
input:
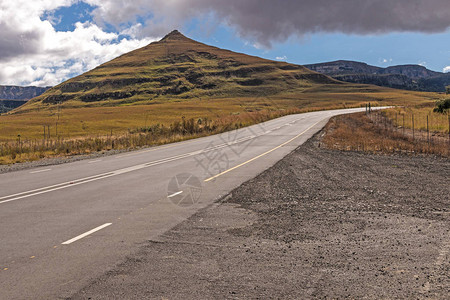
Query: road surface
{"points": [[63, 226]]}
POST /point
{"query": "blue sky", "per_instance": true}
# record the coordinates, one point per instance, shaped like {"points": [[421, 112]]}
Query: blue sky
{"points": [[50, 42], [430, 50]]}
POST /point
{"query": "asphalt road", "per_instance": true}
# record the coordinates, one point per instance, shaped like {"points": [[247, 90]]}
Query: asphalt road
{"points": [[63, 226]]}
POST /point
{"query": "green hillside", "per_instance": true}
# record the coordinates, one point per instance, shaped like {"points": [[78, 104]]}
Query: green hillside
{"points": [[178, 67]]}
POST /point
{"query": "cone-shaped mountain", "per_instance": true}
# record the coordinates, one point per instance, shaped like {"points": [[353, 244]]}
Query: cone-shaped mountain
{"points": [[178, 67]]}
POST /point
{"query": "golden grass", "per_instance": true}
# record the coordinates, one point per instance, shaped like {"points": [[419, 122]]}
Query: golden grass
{"points": [[358, 132], [78, 121], [403, 116], [82, 129], [26, 150]]}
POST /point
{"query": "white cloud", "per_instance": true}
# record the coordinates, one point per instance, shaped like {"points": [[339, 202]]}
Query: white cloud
{"points": [[32, 52], [281, 58], [446, 69]]}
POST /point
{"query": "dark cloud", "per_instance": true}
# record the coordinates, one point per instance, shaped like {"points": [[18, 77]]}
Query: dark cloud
{"points": [[269, 20], [14, 42]]}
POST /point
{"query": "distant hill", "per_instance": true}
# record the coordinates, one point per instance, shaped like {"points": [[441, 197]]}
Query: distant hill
{"points": [[177, 77], [178, 67], [407, 77], [15, 96]]}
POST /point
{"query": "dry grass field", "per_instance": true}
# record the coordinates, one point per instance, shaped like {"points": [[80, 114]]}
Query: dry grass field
{"points": [[417, 116], [71, 130], [376, 133], [70, 120], [121, 103]]}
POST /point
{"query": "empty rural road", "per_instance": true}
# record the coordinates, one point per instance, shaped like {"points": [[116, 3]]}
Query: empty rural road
{"points": [[63, 226]]}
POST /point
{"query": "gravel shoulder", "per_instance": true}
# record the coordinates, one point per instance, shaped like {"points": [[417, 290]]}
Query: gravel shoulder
{"points": [[319, 224]]}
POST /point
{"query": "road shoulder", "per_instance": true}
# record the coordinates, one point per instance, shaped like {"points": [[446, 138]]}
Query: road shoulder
{"points": [[319, 223]]}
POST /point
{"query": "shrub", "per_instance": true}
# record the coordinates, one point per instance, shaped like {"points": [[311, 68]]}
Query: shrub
{"points": [[442, 106]]}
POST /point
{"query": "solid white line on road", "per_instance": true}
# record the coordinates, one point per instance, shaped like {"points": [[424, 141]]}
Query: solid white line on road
{"points": [[76, 182], [86, 234], [40, 171], [94, 161], [176, 194], [154, 149], [261, 155], [51, 188]]}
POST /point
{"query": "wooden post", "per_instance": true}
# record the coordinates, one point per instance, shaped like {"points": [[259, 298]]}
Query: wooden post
{"points": [[396, 121], [413, 127], [428, 132], [403, 125]]}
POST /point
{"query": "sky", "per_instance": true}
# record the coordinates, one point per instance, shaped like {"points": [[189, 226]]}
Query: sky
{"points": [[45, 42]]}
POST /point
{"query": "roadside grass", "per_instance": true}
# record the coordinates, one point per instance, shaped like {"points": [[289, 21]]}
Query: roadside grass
{"points": [[44, 130], [359, 132], [151, 135], [100, 118], [405, 116]]}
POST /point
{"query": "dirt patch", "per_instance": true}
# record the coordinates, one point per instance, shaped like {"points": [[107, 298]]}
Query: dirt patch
{"points": [[319, 224]]}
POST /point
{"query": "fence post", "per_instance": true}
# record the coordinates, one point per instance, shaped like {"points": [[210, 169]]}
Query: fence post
{"points": [[403, 125], [20, 144], [396, 121], [413, 127], [428, 132]]}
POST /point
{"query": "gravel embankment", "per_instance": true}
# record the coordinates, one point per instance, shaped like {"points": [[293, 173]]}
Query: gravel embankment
{"points": [[319, 224]]}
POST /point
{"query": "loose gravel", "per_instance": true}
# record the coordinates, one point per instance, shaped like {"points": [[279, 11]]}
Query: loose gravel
{"points": [[319, 224]]}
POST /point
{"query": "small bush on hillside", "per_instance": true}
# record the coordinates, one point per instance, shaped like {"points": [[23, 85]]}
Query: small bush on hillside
{"points": [[442, 106]]}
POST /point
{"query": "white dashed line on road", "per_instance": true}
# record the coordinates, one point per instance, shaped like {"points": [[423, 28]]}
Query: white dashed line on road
{"points": [[86, 234], [40, 171]]}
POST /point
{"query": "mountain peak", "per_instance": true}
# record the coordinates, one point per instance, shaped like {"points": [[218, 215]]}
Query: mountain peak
{"points": [[179, 67], [174, 35]]}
